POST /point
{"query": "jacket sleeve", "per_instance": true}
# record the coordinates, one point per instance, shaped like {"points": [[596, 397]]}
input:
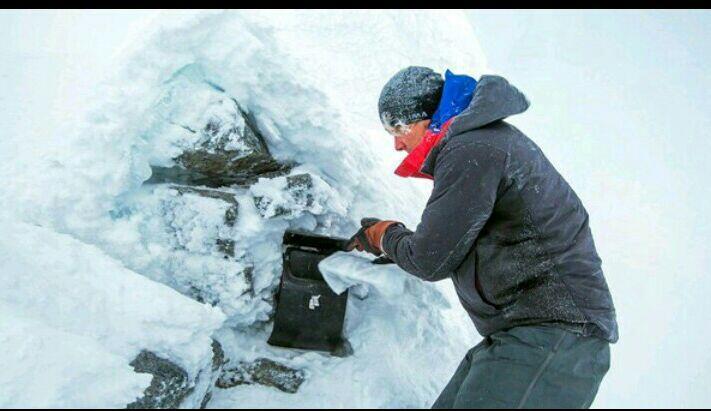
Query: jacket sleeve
{"points": [[466, 183]]}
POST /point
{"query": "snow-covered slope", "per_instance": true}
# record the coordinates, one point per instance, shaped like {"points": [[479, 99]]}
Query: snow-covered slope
{"points": [[73, 318], [114, 246]]}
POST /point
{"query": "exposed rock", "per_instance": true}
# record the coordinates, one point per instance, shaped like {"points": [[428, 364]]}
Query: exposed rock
{"points": [[300, 186], [262, 371], [218, 356], [206, 400], [226, 246], [248, 275], [218, 361], [298, 190], [230, 214], [179, 175], [205, 294], [169, 385], [220, 147], [231, 148]]}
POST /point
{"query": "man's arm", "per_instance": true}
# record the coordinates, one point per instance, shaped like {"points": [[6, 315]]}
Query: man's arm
{"points": [[466, 182]]}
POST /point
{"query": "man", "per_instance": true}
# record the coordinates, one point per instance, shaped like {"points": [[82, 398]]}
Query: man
{"points": [[512, 235]]}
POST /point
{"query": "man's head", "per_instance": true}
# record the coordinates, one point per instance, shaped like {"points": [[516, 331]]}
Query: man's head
{"points": [[407, 103]]}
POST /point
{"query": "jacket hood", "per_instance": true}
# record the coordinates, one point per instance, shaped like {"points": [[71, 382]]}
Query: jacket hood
{"points": [[494, 99]]}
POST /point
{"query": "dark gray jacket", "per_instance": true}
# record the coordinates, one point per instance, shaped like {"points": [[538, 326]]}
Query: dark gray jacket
{"points": [[505, 226]]}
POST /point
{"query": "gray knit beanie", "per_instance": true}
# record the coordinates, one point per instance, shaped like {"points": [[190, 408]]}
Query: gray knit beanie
{"points": [[411, 95]]}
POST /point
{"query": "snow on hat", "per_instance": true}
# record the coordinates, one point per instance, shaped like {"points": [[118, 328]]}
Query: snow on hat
{"points": [[411, 95]]}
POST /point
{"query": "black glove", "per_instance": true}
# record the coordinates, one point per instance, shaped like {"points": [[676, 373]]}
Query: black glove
{"points": [[383, 260]]}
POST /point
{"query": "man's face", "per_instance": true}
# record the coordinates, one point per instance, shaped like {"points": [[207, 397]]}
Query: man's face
{"points": [[407, 137]]}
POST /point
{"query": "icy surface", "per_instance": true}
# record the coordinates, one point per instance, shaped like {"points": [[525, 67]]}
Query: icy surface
{"points": [[90, 252]]}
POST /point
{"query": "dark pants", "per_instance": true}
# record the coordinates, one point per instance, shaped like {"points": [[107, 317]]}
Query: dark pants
{"points": [[529, 367]]}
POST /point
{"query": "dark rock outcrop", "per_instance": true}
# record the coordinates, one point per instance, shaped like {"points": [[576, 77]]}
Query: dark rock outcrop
{"points": [[226, 196], [300, 186], [228, 148], [262, 371], [218, 361], [225, 246], [298, 189], [169, 386]]}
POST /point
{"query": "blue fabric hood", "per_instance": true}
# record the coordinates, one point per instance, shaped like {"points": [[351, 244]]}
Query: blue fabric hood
{"points": [[457, 94]]}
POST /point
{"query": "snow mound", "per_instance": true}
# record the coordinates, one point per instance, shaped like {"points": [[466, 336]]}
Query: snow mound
{"points": [[73, 318], [115, 249], [46, 368]]}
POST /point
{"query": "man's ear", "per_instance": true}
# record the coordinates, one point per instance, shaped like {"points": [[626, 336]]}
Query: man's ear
{"points": [[424, 124]]}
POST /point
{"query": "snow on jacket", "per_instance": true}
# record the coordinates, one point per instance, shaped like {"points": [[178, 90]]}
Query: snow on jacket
{"points": [[505, 226]]}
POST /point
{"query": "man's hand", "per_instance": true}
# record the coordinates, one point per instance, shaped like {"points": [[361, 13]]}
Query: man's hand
{"points": [[370, 235]]}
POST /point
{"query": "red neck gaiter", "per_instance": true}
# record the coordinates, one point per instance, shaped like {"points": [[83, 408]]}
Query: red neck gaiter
{"points": [[411, 165]]}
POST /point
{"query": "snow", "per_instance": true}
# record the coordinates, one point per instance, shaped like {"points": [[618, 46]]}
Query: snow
{"points": [[185, 105], [46, 365], [94, 266], [344, 270], [400, 343], [73, 318], [321, 199], [124, 266]]}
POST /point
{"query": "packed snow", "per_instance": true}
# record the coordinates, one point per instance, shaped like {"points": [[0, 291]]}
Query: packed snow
{"points": [[73, 318]]}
